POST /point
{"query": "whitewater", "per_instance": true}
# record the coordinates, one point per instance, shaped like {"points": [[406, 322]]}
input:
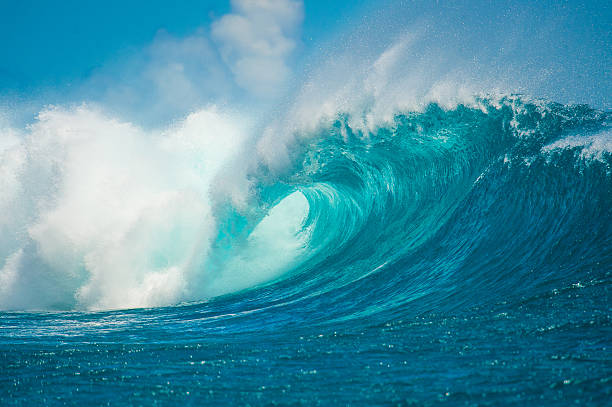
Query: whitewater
{"points": [[380, 235]]}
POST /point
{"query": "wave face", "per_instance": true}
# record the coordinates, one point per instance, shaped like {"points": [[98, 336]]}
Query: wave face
{"points": [[447, 254], [448, 209]]}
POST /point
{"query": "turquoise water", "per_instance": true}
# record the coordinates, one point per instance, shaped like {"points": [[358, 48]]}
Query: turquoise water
{"points": [[455, 255]]}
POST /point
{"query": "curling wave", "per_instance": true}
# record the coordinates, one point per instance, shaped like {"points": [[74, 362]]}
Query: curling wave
{"points": [[450, 206]]}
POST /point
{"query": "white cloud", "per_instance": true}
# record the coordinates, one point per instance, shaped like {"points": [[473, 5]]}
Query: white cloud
{"points": [[169, 78], [248, 50], [256, 41]]}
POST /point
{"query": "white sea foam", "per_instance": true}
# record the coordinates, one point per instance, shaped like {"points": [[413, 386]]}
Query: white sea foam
{"points": [[98, 213], [592, 147]]}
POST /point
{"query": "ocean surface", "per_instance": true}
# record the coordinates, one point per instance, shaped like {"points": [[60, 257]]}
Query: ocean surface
{"points": [[457, 255]]}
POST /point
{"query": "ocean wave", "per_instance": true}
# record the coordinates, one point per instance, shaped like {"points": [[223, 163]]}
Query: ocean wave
{"points": [[102, 215]]}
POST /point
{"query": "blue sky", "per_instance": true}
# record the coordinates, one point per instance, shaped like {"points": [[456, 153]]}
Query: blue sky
{"points": [[48, 43], [73, 50]]}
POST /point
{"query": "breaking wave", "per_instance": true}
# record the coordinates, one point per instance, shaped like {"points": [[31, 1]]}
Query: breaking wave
{"points": [[445, 204]]}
